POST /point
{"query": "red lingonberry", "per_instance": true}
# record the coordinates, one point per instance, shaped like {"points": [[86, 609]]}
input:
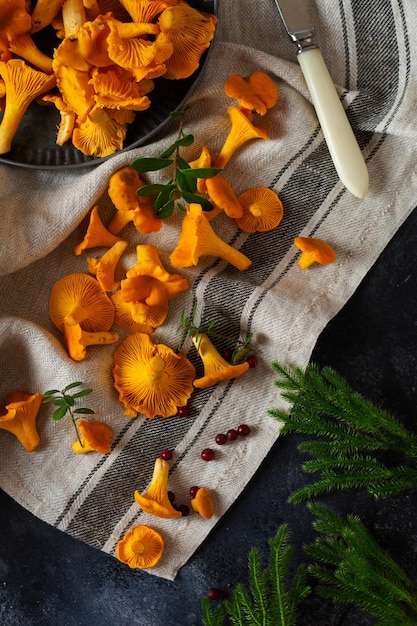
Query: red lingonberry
{"points": [[227, 354], [243, 430], [221, 439], [213, 594], [183, 411], [207, 454], [252, 360], [171, 496], [193, 491], [166, 455], [184, 509], [232, 434]]}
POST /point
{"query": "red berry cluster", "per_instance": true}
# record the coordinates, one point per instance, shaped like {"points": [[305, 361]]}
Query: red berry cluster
{"points": [[242, 430]]}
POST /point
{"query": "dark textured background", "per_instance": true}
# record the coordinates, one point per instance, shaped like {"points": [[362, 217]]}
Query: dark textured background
{"points": [[50, 579]]}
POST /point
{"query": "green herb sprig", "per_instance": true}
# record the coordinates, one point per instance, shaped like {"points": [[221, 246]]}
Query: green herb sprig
{"points": [[181, 189], [352, 568], [191, 328], [350, 435], [65, 403], [272, 600]]}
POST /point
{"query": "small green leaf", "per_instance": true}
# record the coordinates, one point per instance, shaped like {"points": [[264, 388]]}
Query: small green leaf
{"points": [[59, 402], [150, 190], [182, 163], [71, 386], [186, 184], [201, 172], [205, 204], [69, 400], [81, 394], [83, 411], [51, 392], [150, 164], [166, 210], [58, 414]]}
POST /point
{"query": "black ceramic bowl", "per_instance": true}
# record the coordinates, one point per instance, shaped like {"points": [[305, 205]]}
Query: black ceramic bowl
{"points": [[34, 144]]}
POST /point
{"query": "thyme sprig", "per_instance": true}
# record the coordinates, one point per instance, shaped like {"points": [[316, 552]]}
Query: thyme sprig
{"points": [[350, 436], [352, 568], [191, 328], [65, 403], [272, 600], [181, 189]]}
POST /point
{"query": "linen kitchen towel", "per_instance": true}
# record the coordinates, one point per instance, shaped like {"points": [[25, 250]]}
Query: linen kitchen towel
{"points": [[371, 52]]}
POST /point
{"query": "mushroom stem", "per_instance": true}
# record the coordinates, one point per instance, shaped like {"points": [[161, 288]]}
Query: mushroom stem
{"points": [[156, 501], [73, 17], [216, 368]]}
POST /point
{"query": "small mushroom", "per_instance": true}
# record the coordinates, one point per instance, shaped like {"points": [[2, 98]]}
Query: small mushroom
{"points": [[256, 92], [203, 503], [95, 436], [146, 10], [262, 210], [223, 197], [18, 416], [105, 267], [242, 130], [199, 239], [190, 32], [314, 251], [77, 340], [14, 21], [142, 547], [216, 368], [25, 48], [155, 500], [97, 235], [204, 160], [151, 378], [79, 299]]}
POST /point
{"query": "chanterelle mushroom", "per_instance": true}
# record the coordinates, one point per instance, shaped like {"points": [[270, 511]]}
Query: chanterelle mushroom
{"points": [[216, 368], [18, 416], [142, 547], [314, 251], [155, 500], [151, 378], [262, 210]]}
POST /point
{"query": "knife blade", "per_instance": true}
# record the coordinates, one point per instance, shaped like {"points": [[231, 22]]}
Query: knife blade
{"points": [[341, 141]]}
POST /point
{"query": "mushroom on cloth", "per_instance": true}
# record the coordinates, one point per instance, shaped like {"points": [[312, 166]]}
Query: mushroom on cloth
{"points": [[202, 503], [105, 267], [199, 239], [79, 299], [151, 378], [18, 416], [95, 436], [242, 130], [141, 547], [216, 368], [256, 92], [97, 235], [262, 210], [23, 85], [155, 500], [77, 339], [223, 197], [314, 251]]}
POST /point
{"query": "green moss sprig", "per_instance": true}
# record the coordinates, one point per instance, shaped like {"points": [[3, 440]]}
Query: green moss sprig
{"points": [[181, 189], [351, 436], [65, 403]]}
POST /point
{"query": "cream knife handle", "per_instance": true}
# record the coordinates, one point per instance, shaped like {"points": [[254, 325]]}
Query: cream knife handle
{"points": [[341, 141]]}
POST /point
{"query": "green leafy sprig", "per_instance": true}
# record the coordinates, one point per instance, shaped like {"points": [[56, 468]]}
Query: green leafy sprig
{"points": [[350, 435], [181, 189], [191, 328], [65, 403], [352, 568], [272, 600]]}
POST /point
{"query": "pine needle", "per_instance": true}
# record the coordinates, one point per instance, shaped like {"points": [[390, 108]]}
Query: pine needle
{"points": [[270, 600], [352, 568], [350, 435]]}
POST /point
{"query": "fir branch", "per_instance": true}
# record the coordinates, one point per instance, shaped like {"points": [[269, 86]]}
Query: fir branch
{"points": [[271, 600], [352, 568], [349, 431]]}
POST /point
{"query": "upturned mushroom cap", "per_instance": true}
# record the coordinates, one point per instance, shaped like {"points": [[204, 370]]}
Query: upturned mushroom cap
{"points": [[95, 437], [190, 31], [14, 21], [216, 368], [223, 197], [242, 130], [149, 264], [155, 500], [150, 378], [18, 416], [97, 235], [262, 210], [314, 251], [199, 239], [147, 312], [142, 547], [104, 268], [80, 299]]}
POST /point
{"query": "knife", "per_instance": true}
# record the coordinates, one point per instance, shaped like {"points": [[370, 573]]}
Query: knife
{"points": [[341, 141]]}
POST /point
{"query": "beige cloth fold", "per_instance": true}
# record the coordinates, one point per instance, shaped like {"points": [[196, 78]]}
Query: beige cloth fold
{"points": [[91, 496]]}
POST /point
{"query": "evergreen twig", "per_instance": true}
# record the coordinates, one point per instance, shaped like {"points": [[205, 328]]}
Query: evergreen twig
{"points": [[350, 435], [352, 568], [271, 600]]}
